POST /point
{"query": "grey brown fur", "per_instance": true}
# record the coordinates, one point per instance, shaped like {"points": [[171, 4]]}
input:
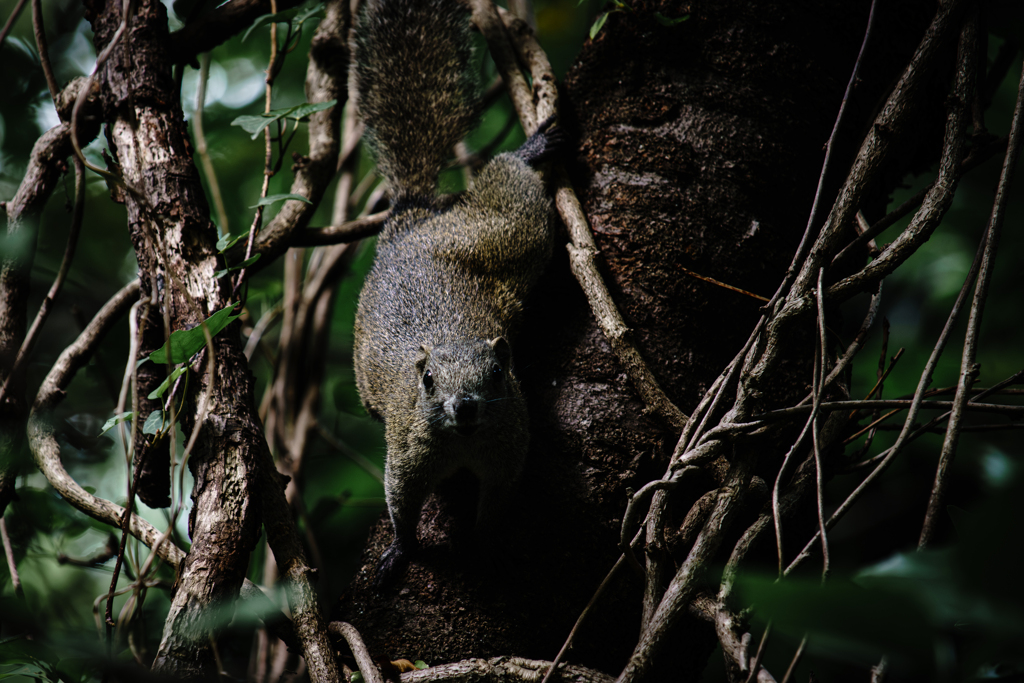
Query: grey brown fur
{"points": [[445, 295]]}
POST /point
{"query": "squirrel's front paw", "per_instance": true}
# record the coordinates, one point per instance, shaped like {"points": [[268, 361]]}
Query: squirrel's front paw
{"points": [[549, 140]]}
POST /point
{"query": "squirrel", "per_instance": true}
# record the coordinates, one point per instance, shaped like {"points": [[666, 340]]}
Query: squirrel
{"points": [[444, 298]]}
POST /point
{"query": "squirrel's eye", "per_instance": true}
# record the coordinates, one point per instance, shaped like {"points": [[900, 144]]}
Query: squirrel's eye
{"points": [[428, 380]]}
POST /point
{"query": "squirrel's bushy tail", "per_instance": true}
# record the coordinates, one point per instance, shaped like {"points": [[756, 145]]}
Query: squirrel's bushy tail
{"points": [[411, 79]]}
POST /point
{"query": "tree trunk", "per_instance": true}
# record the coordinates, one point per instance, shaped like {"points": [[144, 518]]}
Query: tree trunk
{"points": [[700, 145]]}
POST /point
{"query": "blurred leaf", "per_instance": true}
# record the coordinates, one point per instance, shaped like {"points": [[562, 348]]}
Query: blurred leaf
{"points": [[598, 24], [303, 110], [274, 198], [284, 17], [155, 423], [228, 241], [185, 343], [666, 21], [244, 264], [117, 419], [254, 124]]}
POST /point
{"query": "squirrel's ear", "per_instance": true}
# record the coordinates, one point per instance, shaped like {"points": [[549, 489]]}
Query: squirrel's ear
{"points": [[422, 357], [501, 350]]}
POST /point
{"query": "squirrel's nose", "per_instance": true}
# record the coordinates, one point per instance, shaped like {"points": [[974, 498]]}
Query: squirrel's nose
{"points": [[466, 410]]}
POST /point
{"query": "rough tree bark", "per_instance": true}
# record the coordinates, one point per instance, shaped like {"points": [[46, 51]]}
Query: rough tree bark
{"points": [[236, 485], [700, 145]]}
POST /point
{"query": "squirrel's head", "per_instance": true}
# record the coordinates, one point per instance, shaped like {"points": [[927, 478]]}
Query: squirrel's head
{"points": [[460, 382]]}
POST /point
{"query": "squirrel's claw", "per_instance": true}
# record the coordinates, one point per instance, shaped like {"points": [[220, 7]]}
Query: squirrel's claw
{"points": [[392, 562], [547, 142]]}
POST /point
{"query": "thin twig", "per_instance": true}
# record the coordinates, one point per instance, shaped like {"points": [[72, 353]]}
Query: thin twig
{"points": [[349, 231], [44, 53], [913, 408], [813, 216], [976, 158], [815, 430], [755, 666], [58, 281], [874, 423], [831, 406], [15, 13], [273, 65], [796, 660], [858, 340], [42, 441], [203, 150], [83, 95], [968, 369], [719, 283], [586, 610], [12, 566]]}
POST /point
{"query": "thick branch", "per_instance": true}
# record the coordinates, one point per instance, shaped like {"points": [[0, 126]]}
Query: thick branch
{"points": [[216, 27]]}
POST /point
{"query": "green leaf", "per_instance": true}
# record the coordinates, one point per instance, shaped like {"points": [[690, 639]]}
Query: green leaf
{"points": [[312, 10], [228, 241], [244, 264], [117, 419], [598, 24], [166, 384], [666, 21], [155, 423], [185, 343], [254, 124], [266, 201], [295, 17], [420, 664], [284, 17], [304, 110]]}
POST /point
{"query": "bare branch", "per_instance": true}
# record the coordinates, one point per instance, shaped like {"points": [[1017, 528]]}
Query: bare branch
{"points": [[12, 567], [341, 629], [687, 578], [968, 369], [326, 80], [503, 669], [217, 26], [9, 24], [348, 232], [46, 450], [583, 251]]}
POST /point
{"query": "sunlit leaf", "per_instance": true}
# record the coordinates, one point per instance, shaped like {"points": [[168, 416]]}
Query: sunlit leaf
{"points": [[185, 343], [271, 199], [228, 241], [117, 419], [165, 385], [304, 110]]}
